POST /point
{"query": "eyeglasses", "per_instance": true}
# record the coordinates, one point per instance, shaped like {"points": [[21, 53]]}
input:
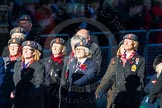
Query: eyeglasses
{"points": [[28, 49], [78, 49]]}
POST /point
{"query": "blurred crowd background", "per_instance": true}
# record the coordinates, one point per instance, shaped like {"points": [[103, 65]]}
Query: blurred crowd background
{"points": [[116, 15]]}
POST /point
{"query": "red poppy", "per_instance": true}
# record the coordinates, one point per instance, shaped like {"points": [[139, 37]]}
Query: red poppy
{"points": [[153, 81], [83, 66]]}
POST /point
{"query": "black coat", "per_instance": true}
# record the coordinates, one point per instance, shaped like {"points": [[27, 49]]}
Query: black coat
{"points": [[52, 81], [28, 84], [2, 73], [54, 69]]}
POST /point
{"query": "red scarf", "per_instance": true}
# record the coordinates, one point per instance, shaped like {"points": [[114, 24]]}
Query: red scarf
{"points": [[58, 59], [13, 58], [124, 59]]}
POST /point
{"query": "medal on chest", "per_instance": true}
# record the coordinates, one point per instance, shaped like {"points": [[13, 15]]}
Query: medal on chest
{"points": [[133, 68]]}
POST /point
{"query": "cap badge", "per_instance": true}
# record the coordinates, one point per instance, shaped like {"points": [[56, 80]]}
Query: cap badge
{"points": [[129, 36], [28, 42], [16, 30], [81, 43], [14, 40], [25, 18], [57, 40]]}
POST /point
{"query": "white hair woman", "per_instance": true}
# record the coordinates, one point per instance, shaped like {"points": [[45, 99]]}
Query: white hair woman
{"points": [[81, 75]]}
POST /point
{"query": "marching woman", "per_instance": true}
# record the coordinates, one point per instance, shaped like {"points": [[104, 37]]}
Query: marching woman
{"points": [[81, 74], [28, 77]]}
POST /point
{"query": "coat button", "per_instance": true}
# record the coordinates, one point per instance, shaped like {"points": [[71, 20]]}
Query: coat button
{"points": [[56, 75]]}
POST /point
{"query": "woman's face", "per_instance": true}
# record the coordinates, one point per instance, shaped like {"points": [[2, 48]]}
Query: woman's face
{"points": [[13, 49], [128, 44], [80, 52], [56, 49], [28, 52]]}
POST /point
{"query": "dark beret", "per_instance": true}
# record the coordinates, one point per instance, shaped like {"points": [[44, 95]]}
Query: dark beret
{"points": [[24, 17], [121, 43], [157, 60], [58, 41], [15, 41], [32, 44], [83, 43], [17, 30], [131, 37]]}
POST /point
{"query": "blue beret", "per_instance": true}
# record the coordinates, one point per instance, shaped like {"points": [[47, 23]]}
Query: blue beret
{"points": [[131, 37], [24, 17], [83, 43]]}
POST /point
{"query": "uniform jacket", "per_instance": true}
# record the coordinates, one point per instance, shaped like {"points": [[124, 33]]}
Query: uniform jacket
{"points": [[79, 77], [54, 69], [128, 81], [156, 91], [53, 77], [99, 91], [28, 84]]}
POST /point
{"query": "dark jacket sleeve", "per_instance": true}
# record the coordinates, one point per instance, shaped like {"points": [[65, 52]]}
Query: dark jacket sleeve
{"points": [[2, 72], [149, 85], [87, 77], [141, 73], [17, 76], [63, 78], [96, 54], [39, 76], [107, 80], [156, 90]]}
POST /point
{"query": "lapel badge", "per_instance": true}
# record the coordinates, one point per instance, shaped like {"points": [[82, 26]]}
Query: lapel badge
{"points": [[133, 68], [113, 61], [137, 60]]}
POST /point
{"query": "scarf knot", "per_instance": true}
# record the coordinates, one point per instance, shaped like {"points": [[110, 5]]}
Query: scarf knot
{"points": [[58, 59]]}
